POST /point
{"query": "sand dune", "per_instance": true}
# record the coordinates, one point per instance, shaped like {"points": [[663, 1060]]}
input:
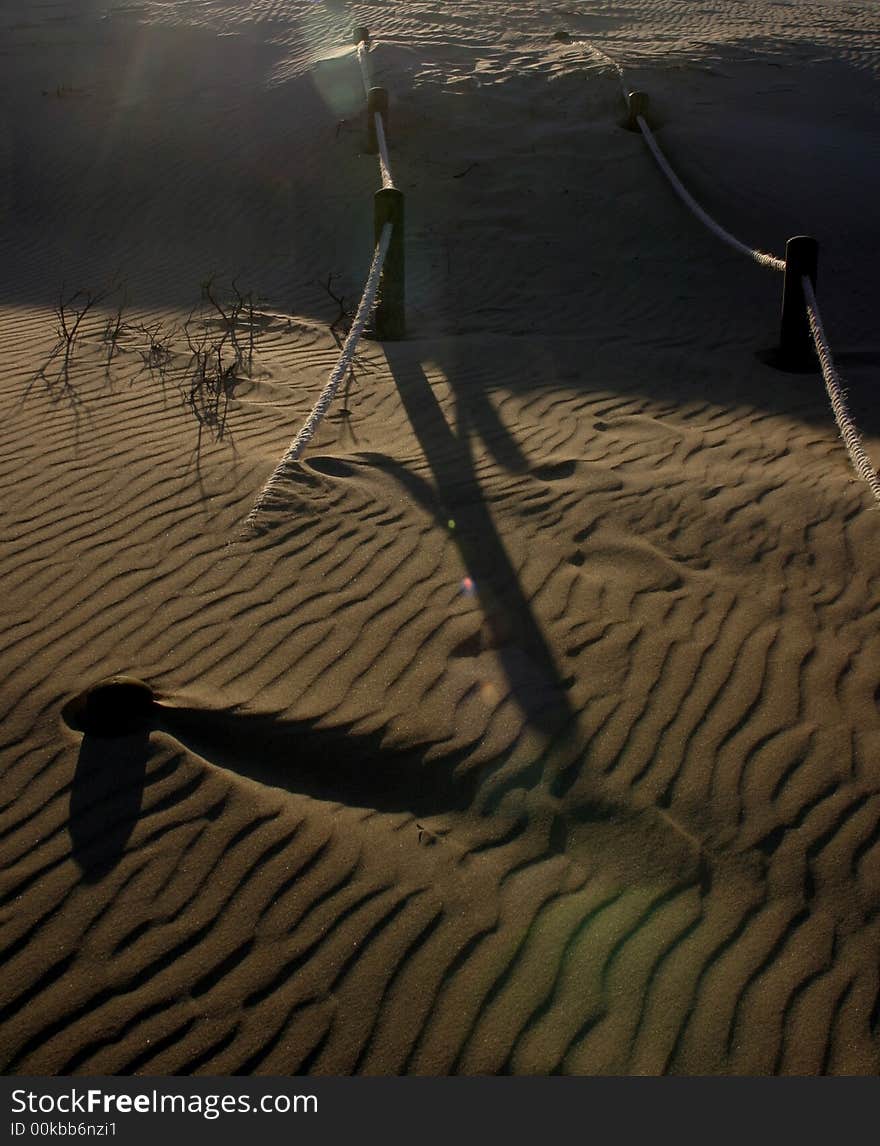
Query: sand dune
{"points": [[535, 729]]}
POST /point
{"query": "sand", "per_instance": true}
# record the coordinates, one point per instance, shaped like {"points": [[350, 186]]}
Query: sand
{"points": [[535, 729]]}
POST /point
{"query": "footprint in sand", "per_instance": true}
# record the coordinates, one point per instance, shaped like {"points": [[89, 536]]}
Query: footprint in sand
{"points": [[555, 471], [329, 466]]}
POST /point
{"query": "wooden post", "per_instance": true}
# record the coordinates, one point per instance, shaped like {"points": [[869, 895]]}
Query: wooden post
{"points": [[389, 320], [637, 105], [361, 34], [796, 350], [377, 101]]}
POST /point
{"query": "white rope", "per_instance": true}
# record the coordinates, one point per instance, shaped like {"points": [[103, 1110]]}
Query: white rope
{"points": [[759, 256], [363, 55], [834, 386], [305, 435], [384, 161], [833, 382], [611, 64]]}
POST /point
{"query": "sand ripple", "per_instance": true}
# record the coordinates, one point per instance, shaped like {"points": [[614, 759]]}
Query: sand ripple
{"points": [[536, 729]]}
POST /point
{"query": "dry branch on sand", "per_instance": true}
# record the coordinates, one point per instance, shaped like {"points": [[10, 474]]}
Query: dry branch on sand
{"points": [[208, 355], [220, 344], [339, 328], [70, 312]]}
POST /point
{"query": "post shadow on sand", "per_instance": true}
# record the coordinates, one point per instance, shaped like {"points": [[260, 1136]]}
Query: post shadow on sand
{"points": [[108, 783], [118, 714], [105, 800], [515, 634]]}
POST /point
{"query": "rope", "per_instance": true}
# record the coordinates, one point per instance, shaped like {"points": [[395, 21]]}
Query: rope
{"points": [[305, 435], [613, 64], [384, 161], [362, 55], [759, 256], [833, 382], [834, 386]]}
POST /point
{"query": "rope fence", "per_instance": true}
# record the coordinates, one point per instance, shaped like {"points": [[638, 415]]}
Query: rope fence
{"points": [[836, 395], [382, 144], [377, 110], [705, 218], [610, 63], [362, 47], [383, 297], [297, 446], [802, 334]]}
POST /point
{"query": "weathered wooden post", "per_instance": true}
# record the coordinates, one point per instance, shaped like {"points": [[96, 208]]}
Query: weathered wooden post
{"points": [[637, 105], [389, 319], [796, 350]]}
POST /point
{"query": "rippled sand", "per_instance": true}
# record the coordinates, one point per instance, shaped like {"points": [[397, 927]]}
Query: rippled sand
{"points": [[537, 727]]}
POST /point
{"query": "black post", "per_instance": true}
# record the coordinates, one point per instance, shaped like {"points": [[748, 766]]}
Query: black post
{"points": [[361, 34], [377, 101], [637, 105], [389, 320], [796, 349]]}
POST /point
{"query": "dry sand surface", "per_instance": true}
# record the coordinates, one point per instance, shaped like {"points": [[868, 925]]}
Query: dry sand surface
{"points": [[535, 729]]}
